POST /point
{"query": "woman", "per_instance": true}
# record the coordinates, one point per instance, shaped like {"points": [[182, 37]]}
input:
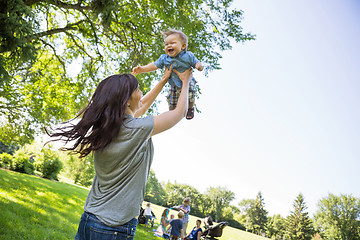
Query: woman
{"points": [[164, 222], [195, 234], [122, 149]]}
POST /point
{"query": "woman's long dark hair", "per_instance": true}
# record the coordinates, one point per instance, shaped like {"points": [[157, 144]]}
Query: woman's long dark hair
{"points": [[102, 118]]}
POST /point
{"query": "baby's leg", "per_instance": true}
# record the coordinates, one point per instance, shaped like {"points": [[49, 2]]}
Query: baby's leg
{"points": [[173, 97], [192, 94], [191, 104]]}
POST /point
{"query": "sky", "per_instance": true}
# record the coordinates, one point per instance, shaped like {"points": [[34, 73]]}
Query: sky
{"points": [[282, 115]]}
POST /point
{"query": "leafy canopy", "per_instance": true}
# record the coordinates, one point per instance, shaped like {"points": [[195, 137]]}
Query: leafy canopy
{"points": [[54, 52]]}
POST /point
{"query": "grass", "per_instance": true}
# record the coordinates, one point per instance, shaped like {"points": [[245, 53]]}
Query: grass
{"points": [[34, 208]]}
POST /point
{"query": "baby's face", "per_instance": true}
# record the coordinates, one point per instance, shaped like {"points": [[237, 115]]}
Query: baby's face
{"points": [[173, 45]]}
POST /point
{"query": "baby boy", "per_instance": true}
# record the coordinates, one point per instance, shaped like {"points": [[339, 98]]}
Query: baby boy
{"points": [[176, 54]]}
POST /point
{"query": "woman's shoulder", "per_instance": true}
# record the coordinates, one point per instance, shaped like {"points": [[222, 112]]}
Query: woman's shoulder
{"points": [[136, 127], [141, 122]]}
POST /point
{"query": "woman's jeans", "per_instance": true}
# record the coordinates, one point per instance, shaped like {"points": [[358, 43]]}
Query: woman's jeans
{"points": [[91, 228]]}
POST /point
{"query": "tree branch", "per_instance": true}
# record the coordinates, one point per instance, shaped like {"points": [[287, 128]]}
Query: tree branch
{"points": [[60, 4], [57, 56], [57, 30], [78, 45]]}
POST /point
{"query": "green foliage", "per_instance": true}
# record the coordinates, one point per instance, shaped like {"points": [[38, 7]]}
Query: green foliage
{"points": [[10, 149], [17, 25], [276, 227], [220, 198], [176, 193], [23, 163], [254, 214], [298, 223], [229, 214], [54, 53], [154, 193], [83, 170], [338, 217], [6, 161], [51, 165], [43, 159]]}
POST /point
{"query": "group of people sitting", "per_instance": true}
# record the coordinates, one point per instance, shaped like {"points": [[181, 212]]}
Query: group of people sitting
{"points": [[175, 229]]}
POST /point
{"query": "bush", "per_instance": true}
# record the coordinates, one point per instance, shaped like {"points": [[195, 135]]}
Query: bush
{"points": [[49, 164], [23, 164], [84, 173], [6, 160], [51, 168]]}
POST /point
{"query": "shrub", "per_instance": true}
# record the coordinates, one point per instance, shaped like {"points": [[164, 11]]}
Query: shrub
{"points": [[85, 172], [51, 168], [49, 164], [6, 160], [23, 164]]}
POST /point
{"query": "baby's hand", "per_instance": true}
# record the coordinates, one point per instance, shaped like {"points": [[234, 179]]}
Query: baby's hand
{"points": [[137, 70], [199, 66]]}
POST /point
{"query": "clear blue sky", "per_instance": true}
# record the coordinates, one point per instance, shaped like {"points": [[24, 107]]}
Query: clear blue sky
{"points": [[282, 116]]}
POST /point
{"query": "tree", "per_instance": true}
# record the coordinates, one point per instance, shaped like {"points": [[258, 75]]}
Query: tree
{"points": [[176, 192], [154, 193], [53, 53], [204, 206], [276, 227], [298, 224], [256, 214], [338, 217], [220, 197], [245, 205]]}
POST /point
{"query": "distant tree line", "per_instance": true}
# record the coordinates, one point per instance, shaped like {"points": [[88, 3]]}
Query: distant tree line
{"points": [[337, 217]]}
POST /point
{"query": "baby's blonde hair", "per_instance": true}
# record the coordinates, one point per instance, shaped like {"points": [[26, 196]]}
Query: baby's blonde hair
{"points": [[180, 34], [181, 214]]}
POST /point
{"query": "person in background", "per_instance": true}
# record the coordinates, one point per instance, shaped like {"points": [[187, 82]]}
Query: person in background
{"points": [[186, 209], [196, 232], [177, 227], [148, 214]]}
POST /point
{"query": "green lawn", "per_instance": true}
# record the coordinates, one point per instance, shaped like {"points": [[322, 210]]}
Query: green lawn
{"points": [[35, 208]]}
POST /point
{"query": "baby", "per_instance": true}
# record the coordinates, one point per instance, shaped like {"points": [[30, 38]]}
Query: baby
{"points": [[176, 54]]}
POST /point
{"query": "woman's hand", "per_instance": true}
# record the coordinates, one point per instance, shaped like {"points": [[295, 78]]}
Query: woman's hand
{"points": [[167, 73], [184, 76]]}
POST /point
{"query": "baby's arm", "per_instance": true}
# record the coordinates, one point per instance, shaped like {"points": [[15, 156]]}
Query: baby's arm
{"points": [[199, 66], [142, 69]]}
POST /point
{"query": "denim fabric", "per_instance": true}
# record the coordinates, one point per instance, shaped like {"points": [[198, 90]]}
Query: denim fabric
{"points": [[148, 217], [91, 228]]}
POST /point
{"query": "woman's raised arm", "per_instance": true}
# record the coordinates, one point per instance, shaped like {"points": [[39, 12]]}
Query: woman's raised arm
{"points": [[150, 97], [169, 119]]}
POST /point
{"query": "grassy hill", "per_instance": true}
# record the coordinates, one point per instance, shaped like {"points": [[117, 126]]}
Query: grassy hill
{"points": [[35, 208]]}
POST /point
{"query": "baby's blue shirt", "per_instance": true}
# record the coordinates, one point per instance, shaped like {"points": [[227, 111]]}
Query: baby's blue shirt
{"points": [[184, 60]]}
